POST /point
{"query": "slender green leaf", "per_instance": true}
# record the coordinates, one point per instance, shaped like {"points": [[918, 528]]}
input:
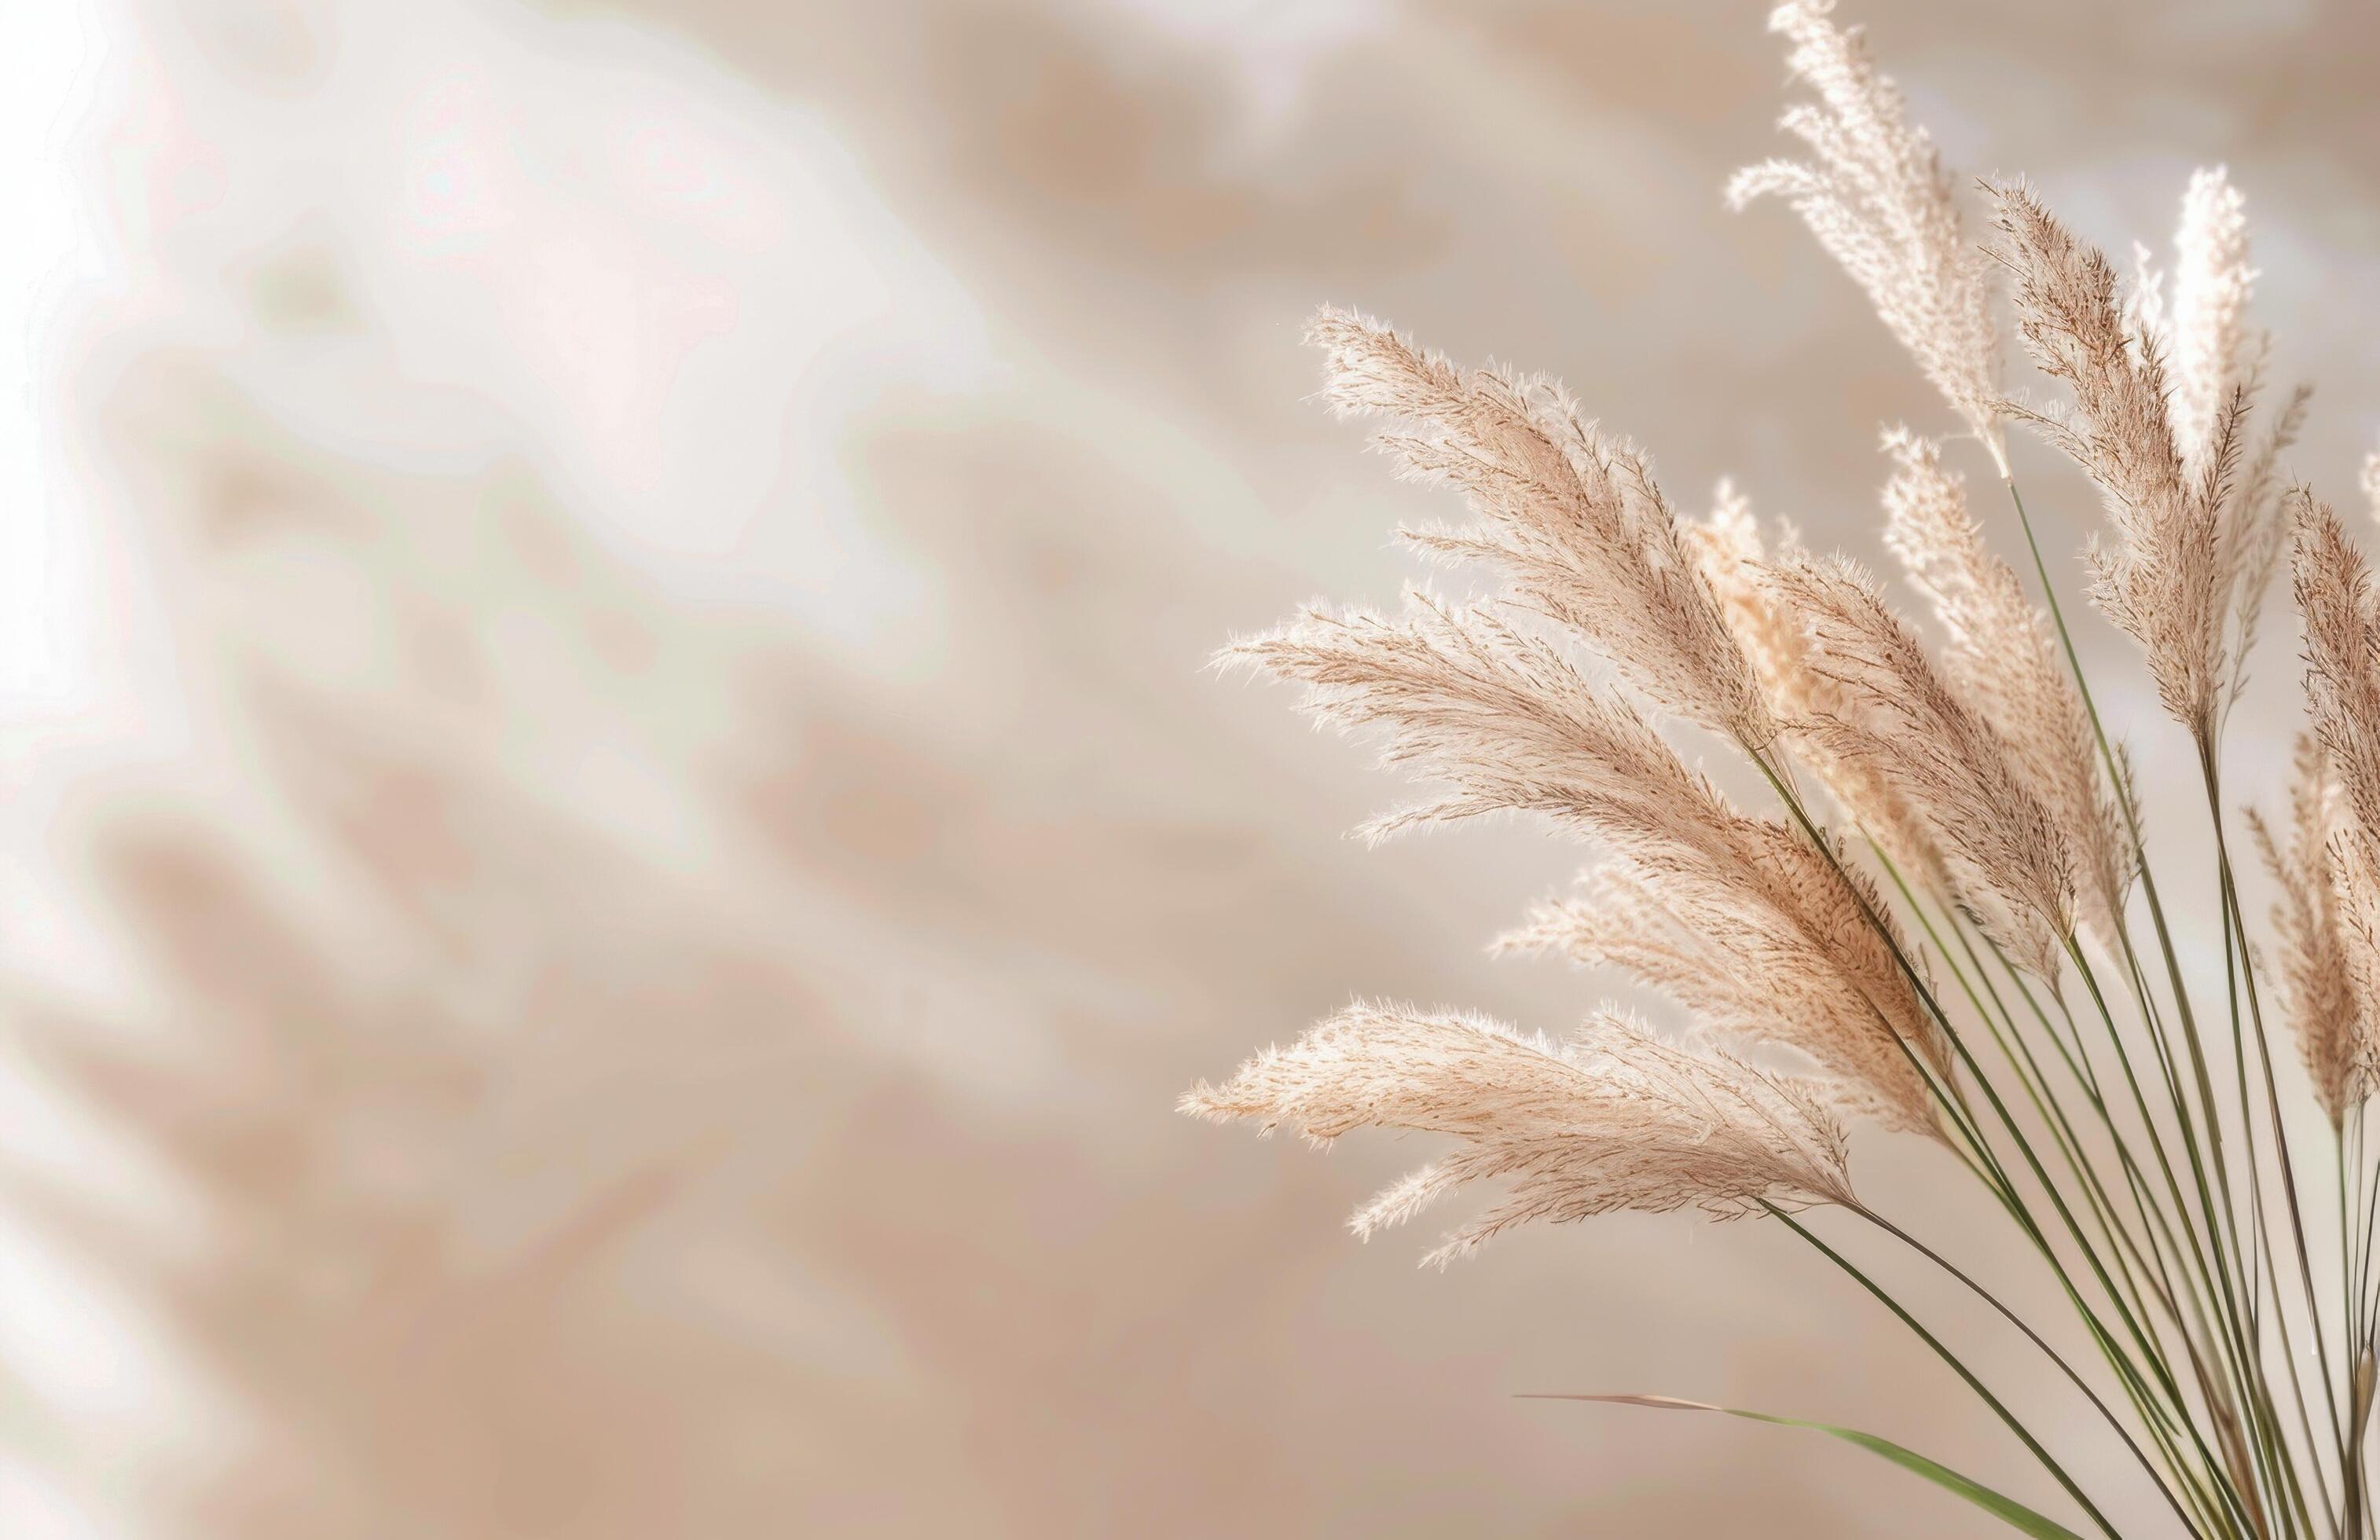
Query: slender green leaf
{"points": [[2007, 1509]]}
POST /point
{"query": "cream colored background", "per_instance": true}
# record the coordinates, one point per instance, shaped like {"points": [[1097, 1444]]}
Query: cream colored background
{"points": [[616, 846]]}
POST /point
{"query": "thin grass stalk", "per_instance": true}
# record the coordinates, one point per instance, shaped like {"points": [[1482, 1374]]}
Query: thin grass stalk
{"points": [[2195, 1332], [2199, 1257], [2224, 1381], [2356, 1248], [2221, 1219], [2014, 1206], [2235, 928], [2160, 1422], [2364, 1265], [2264, 1259], [2031, 1335], [2233, 1390], [2159, 1418], [2152, 1215], [2237, 924], [2027, 1069], [2215, 1276], [2140, 851], [2314, 1314], [2223, 1393], [2155, 1416], [2145, 1245], [2152, 1219], [2164, 941], [2360, 1336], [2350, 1496], [2015, 1426], [2367, 1305]]}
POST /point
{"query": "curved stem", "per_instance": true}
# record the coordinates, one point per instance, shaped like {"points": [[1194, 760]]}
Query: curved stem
{"points": [[2022, 1325], [2048, 1461]]}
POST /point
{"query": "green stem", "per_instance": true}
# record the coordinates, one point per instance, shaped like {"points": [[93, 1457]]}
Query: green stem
{"points": [[2236, 927], [2055, 1356], [2234, 1320], [2004, 1190], [2024, 1433]]}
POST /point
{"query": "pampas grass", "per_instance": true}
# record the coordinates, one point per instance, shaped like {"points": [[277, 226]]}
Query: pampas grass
{"points": [[1615, 1117], [1943, 918]]}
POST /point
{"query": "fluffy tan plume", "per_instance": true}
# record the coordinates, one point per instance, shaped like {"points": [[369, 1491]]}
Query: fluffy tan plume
{"points": [[2316, 981], [1616, 1117], [1502, 718], [2008, 860], [2161, 579], [1735, 559], [2214, 366], [2255, 531], [1508, 724], [1744, 982], [2208, 336], [2002, 656], [1876, 195], [1572, 518], [2342, 650]]}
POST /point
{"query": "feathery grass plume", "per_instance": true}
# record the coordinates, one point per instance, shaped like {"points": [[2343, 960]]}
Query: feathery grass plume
{"points": [[1503, 717], [2160, 580], [2255, 533], [1979, 771], [1615, 1118], [2008, 860], [2342, 686], [1510, 725], [1742, 978], [1876, 195], [2206, 326], [1734, 560], [2002, 657], [2315, 986], [1573, 518], [2216, 366], [2370, 481]]}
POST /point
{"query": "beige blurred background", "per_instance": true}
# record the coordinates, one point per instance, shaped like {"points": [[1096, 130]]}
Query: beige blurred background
{"points": [[615, 842]]}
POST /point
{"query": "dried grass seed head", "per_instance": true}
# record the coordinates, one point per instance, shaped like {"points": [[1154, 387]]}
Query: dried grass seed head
{"points": [[1617, 1118], [2335, 595], [1736, 558], [2007, 859], [1508, 724], [1876, 195], [2002, 656], [1571, 517], [2317, 984], [2161, 578]]}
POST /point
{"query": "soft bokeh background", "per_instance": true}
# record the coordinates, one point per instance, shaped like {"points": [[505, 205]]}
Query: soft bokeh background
{"points": [[615, 842]]}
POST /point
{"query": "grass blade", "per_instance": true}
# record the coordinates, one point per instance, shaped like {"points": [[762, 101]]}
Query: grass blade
{"points": [[2006, 1508]]}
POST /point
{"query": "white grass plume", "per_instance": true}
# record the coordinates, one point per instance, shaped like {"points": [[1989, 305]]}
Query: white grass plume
{"points": [[2207, 330], [2009, 859], [1615, 1118], [2213, 363], [1736, 559], [2161, 578], [1508, 724], [1876, 196], [2002, 656], [1744, 983], [1570, 517], [2341, 613], [2317, 979]]}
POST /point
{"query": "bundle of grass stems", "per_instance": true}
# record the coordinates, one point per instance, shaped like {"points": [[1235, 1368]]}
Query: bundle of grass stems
{"points": [[1944, 915]]}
